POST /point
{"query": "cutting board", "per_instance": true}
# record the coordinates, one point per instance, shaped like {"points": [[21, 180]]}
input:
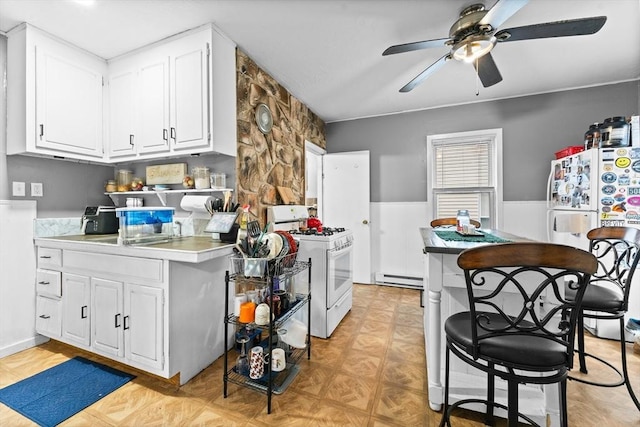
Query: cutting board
{"points": [[287, 196]]}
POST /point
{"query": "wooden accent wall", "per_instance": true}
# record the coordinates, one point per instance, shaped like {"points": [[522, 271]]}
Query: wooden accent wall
{"points": [[265, 162]]}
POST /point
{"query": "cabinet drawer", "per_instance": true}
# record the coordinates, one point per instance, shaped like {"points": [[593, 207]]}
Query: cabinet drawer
{"points": [[121, 267], [48, 282], [48, 316], [49, 258]]}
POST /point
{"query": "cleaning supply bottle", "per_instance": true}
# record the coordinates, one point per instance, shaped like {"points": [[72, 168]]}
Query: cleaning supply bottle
{"points": [[244, 219]]}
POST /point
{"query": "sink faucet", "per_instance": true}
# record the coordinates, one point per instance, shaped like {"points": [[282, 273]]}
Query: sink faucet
{"points": [[179, 224]]}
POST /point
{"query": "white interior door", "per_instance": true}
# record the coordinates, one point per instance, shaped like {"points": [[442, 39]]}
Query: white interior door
{"points": [[346, 204]]}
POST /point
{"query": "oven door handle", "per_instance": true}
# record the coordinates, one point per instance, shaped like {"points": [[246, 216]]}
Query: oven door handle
{"points": [[337, 252]]}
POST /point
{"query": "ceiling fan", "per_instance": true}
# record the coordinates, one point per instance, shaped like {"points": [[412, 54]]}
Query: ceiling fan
{"points": [[475, 34]]}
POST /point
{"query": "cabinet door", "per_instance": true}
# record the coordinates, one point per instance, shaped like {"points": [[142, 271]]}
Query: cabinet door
{"points": [[68, 104], [107, 317], [76, 297], [189, 94], [153, 112], [122, 113], [144, 325]]}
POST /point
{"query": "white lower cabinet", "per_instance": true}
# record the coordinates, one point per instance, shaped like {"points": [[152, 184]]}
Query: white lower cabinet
{"points": [[75, 309], [128, 322], [144, 325], [107, 317], [158, 315]]}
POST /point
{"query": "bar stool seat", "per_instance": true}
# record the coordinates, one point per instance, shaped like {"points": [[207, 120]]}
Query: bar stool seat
{"points": [[617, 250], [520, 342]]}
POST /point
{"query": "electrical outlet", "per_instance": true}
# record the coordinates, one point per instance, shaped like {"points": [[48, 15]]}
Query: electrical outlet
{"points": [[36, 189], [19, 189]]}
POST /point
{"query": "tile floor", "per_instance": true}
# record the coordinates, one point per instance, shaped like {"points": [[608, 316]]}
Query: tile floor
{"points": [[371, 372]]}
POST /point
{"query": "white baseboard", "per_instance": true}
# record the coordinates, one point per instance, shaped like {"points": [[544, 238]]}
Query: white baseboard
{"points": [[22, 345]]}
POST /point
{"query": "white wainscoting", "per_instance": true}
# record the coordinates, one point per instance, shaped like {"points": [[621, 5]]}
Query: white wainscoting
{"points": [[396, 246]]}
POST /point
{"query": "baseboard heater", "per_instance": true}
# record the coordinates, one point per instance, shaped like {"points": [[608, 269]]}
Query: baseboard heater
{"points": [[398, 280]]}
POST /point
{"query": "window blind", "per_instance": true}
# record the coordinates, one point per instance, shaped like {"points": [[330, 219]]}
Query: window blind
{"points": [[463, 165], [460, 167]]}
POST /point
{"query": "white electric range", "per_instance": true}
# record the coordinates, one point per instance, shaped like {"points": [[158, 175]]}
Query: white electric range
{"points": [[331, 266]]}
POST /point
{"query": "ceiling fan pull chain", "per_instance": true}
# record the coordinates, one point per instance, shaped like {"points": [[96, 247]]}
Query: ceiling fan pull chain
{"points": [[477, 78]]}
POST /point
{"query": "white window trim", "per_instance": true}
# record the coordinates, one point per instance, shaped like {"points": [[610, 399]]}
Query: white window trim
{"points": [[493, 134]]}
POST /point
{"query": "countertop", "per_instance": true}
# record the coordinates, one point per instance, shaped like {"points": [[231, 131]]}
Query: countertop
{"points": [[434, 244], [193, 249]]}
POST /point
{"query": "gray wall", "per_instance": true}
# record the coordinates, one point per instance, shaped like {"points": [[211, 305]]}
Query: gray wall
{"points": [[534, 128]]}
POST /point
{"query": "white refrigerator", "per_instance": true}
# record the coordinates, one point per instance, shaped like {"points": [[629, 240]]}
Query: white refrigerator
{"points": [[590, 189]]}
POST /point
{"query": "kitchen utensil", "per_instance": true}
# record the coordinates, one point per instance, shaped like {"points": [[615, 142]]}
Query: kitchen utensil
{"points": [[258, 360], [247, 312], [278, 360], [253, 229], [296, 333], [238, 301], [242, 363], [263, 314]]}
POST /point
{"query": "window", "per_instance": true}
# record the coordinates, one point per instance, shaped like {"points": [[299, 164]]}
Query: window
{"points": [[466, 173]]}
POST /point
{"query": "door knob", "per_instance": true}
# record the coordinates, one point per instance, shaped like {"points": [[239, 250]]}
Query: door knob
{"points": [[365, 222]]}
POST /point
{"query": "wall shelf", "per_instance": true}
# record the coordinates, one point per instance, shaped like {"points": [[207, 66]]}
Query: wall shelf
{"points": [[162, 194]]}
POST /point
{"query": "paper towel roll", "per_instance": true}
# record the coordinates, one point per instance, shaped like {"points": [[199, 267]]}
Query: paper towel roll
{"points": [[196, 205]]}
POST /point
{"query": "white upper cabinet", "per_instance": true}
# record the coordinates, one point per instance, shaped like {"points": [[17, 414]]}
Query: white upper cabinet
{"points": [[54, 96], [172, 98], [153, 106]]}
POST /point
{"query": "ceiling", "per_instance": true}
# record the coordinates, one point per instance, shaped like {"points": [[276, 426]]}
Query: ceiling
{"points": [[328, 53]]}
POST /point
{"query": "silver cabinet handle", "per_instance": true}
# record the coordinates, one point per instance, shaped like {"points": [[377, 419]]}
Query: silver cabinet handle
{"points": [[45, 316], [44, 282], [83, 312], [45, 256], [131, 140], [126, 322], [41, 130], [117, 320], [164, 134], [173, 133]]}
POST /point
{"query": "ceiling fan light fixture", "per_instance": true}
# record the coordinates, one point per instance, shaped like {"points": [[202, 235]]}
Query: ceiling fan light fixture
{"points": [[472, 48]]}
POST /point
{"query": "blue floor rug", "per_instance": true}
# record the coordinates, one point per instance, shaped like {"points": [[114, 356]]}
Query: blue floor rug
{"points": [[52, 396]]}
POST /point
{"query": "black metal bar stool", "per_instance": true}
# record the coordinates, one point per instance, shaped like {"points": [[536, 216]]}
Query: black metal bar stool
{"points": [[521, 342], [607, 296]]}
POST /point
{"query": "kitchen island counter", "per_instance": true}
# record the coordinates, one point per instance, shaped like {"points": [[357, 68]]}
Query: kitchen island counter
{"points": [[446, 294], [192, 249], [157, 307]]}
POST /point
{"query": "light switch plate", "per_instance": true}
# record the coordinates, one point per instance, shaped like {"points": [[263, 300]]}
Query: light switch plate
{"points": [[36, 189], [19, 189]]}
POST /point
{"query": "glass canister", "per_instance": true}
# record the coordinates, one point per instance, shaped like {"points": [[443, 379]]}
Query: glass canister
{"points": [[123, 179], [592, 137], [111, 186], [202, 177], [462, 219], [218, 180]]}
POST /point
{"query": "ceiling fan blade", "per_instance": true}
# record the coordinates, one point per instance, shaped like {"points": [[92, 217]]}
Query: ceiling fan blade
{"points": [[572, 27], [501, 11], [487, 70], [408, 47], [426, 73]]}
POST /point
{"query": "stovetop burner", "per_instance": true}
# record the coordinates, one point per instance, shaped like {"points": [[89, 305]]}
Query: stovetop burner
{"points": [[326, 231]]}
